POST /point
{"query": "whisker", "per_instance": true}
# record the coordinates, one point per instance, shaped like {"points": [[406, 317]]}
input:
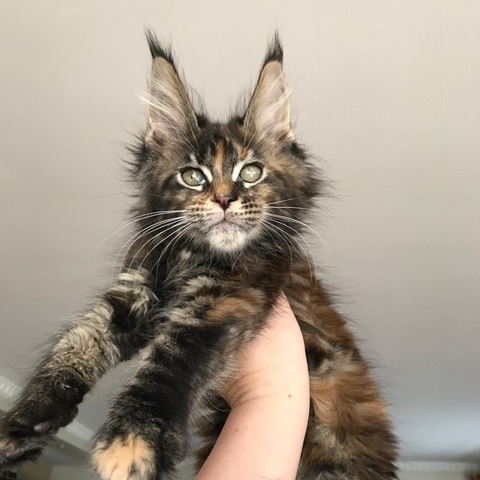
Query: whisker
{"points": [[278, 230], [175, 240], [143, 232], [312, 257], [288, 207], [162, 229], [157, 212], [163, 239], [168, 223], [323, 242], [134, 219], [293, 220], [175, 235], [281, 201]]}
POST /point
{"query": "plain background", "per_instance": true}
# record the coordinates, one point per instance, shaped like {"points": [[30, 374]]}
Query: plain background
{"points": [[385, 95]]}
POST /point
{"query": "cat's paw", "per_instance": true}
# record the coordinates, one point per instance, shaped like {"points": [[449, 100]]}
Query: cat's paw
{"points": [[26, 430], [22, 438], [129, 458]]}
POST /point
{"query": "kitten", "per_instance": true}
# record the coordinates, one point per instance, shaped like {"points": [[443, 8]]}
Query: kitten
{"points": [[220, 207]]}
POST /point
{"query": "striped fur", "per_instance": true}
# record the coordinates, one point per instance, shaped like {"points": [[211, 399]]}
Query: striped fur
{"points": [[220, 212]]}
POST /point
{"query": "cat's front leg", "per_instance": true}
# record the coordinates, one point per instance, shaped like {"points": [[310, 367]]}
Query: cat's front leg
{"points": [[110, 331], [199, 335], [145, 435]]}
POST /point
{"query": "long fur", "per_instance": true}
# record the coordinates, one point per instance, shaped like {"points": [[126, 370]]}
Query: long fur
{"points": [[219, 217]]}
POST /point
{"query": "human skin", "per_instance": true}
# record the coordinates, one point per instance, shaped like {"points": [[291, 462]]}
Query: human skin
{"points": [[269, 397]]}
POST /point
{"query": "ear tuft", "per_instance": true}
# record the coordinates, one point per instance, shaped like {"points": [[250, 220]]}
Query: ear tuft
{"points": [[274, 50], [156, 48]]}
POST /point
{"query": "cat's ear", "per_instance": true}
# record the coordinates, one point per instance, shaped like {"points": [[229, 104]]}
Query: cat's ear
{"points": [[268, 113], [171, 117]]}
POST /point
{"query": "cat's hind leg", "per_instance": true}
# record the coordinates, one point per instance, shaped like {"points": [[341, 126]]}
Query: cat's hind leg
{"points": [[209, 427], [349, 435]]}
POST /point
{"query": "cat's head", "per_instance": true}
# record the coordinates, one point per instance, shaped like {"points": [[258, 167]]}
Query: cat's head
{"points": [[222, 186]]}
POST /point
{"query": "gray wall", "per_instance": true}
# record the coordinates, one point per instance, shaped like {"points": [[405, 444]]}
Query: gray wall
{"points": [[386, 95]]}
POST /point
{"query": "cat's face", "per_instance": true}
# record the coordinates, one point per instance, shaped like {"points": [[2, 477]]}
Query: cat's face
{"points": [[228, 195], [225, 194], [226, 186]]}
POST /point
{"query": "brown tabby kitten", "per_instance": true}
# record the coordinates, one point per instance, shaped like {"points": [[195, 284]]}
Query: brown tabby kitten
{"points": [[220, 207]]}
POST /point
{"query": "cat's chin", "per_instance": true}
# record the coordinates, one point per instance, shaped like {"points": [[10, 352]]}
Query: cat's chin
{"points": [[226, 237]]}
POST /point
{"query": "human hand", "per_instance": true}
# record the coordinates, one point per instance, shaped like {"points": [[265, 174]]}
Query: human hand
{"points": [[273, 364], [269, 396]]}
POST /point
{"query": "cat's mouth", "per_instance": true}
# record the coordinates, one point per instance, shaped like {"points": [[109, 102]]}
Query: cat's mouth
{"points": [[225, 223], [224, 220]]}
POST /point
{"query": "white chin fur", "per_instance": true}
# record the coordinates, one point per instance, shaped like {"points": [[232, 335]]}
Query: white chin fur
{"points": [[224, 240]]}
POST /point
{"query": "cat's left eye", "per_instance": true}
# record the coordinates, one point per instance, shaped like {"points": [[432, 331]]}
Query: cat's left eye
{"points": [[194, 177], [251, 173]]}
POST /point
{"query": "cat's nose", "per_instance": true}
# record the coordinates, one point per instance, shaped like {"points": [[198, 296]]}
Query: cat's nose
{"points": [[225, 199]]}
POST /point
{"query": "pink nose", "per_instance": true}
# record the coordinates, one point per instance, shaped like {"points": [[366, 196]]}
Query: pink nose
{"points": [[224, 199]]}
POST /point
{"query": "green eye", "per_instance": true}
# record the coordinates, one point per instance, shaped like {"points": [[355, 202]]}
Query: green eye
{"points": [[194, 177], [251, 173]]}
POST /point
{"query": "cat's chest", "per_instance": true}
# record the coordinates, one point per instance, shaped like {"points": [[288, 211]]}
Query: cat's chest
{"points": [[189, 276]]}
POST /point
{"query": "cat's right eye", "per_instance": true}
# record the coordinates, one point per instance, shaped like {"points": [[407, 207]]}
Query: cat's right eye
{"points": [[194, 177]]}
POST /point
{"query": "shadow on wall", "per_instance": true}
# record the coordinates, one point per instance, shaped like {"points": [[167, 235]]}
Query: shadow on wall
{"points": [[447, 472], [44, 471], [433, 471], [29, 471]]}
